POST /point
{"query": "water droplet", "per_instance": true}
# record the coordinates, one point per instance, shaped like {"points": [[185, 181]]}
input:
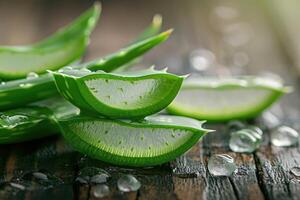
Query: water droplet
{"points": [[12, 121], [284, 136], [3, 83], [221, 165], [201, 59], [26, 85], [100, 191], [40, 175], [128, 183], [17, 185], [92, 175], [65, 69], [32, 75], [295, 171], [82, 180], [85, 70], [245, 140], [42, 178], [99, 178]]}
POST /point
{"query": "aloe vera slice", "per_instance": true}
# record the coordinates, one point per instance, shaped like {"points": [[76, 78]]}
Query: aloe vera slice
{"points": [[34, 121], [226, 99], [156, 140], [60, 49], [119, 95], [20, 92]]}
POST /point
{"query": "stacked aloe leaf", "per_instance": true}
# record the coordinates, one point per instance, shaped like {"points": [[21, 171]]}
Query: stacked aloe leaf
{"points": [[109, 113], [102, 110]]}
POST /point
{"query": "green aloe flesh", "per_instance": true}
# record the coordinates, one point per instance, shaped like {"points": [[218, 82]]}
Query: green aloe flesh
{"points": [[119, 95], [60, 49], [42, 87], [226, 99], [156, 140], [20, 92], [34, 121]]}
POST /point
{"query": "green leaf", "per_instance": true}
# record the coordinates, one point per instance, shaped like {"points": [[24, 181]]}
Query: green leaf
{"points": [[128, 54], [34, 121], [60, 49], [14, 94], [226, 99], [156, 140], [153, 29], [119, 95]]}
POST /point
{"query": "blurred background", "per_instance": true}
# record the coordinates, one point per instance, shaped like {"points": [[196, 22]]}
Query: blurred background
{"points": [[211, 37]]}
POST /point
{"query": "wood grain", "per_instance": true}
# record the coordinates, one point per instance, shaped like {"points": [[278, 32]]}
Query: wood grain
{"points": [[261, 175]]}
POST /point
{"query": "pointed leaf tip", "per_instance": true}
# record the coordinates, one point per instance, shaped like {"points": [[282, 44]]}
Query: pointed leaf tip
{"points": [[165, 69], [157, 20], [168, 32], [97, 5], [152, 67], [185, 76]]}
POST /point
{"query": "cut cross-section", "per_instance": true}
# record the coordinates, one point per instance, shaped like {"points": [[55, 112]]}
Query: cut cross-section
{"points": [[156, 140]]}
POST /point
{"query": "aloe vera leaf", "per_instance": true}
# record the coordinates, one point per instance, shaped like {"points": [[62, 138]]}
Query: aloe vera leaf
{"points": [[60, 49], [156, 140], [153, 29], [119, 95], [226, 99], [43, 86], [115, 60], [34, 121]]}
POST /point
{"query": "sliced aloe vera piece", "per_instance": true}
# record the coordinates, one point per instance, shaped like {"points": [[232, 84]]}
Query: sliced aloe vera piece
{"points": [[20, 92], [156, 140], [34, 121], [119, 95], [226, 99], [60, 49]]}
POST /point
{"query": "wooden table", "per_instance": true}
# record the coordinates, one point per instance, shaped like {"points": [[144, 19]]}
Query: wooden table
{"points": [[244, 40]]}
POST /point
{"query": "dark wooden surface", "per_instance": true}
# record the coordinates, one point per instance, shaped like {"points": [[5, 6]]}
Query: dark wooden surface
{"points": [[245, 44]]}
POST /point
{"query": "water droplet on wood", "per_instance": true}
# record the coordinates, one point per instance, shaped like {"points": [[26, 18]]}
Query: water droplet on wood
{"points": [[128, 183]]}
